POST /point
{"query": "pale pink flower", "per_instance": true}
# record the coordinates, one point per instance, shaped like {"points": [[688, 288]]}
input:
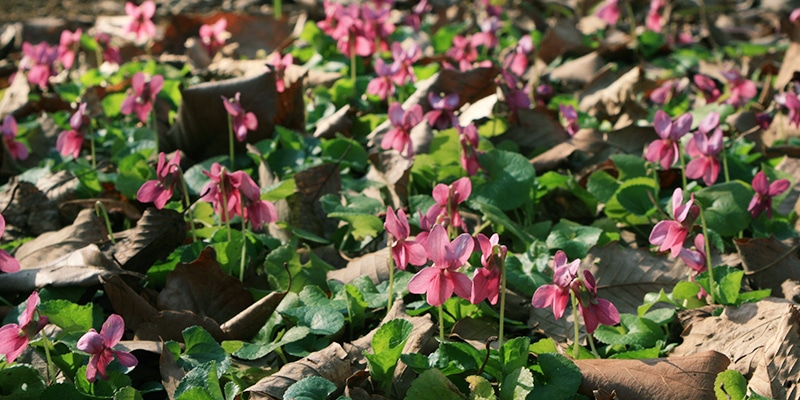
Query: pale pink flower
{"points": [[442, 114], [666, 150], [68, 45], [655, 20], [101, 348], [382, 85], [556, 295], [141, 23], [442, 279], [14, 338], [487, 37], [795, 15], [160, 190], [213, 36], [792, 103], [447, 198], [742, 89], [404, 60], [69, 143], [695, 259], [403, 251], [9, 130], [144, 94], [486, 280], [7, 263], [280, 64], [765, 191], [242, 121], [609, 12], [670, 234], [39, 61], [399, 137], [705, 151]]}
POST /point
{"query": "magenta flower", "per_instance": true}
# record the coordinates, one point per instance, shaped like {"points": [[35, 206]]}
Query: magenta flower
{"points": [[144, 94], [69, 142], [442, 115], [241, 120], [414, 19], [447, 200], [765, 191], [101, 348], [764, 120], [795, 15], [404, 60], [695, 259], [346, 25], [792, 103], [141, 23], [666, 150], [655, 20], [742, 90], [377, 23], [486, 280], [14, 338], [39, 61], [383, 84], [462, 52], [516, 61], [213, 36], [7, 263], [488, 35], [595, 310], [670, 235], [404, 251], [160, 190], [9, 129], [708, 87], [609, 12], [236, 193], [556, 295], [280, 65], [570, 117], [110, 52], [442, 279], [662, 94], [468, 137], [68, 45], [399, 137], [705, 150], [258, 212]]}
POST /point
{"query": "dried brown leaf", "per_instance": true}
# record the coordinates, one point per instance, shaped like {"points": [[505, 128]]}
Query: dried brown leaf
{"points": [[171, 373], [169, 325], [87, 229], [562, 37], [607, 100], [156, 235], [246, 324], [578, 72], [768, 263], [30, 213], [761, 338], [688, 377], [306, 210], [126, 302], [374, 265], [392, 169], [538, 128]]}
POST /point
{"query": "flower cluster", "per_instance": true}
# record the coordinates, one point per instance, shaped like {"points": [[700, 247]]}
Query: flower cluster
{"points": [[213, 36], [69, 142], [236, 194], [160, 190], [9, 130], [358, 28], [14, 338], [143, 97]]}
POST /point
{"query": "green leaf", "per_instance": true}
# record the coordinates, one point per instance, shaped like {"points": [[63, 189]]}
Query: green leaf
{"points": [[454, 358], [498, 217], [557, 378], [510, 178], [21, 382], [101, 388], [652, 352], [347, 152], [602, 186], [112, 104], [127, 393], [728, 282], [638, 195], [442, 40], [232, 390], [546, 345], [725, 207], [575, 239], [61, 391], [321, 320], [254, 351], [730, 384], [629, 166], [313, 272], [432, 385], [480, 388], [522, 274], [310, 388], [517, 384], [202, 348], [201, 383], [514, 354], [69, 316], [387, 346]]}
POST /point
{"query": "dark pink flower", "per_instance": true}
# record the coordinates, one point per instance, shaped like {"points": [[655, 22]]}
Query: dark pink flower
{"points": [[213, 36], [516, 61], [144, 94], [383, 85], [556, 295], [742, 90], [795, 15], [7, 263], [442, 115], [399, 137], [609, 12], [236, 193], [517, 99], [141, 23], [9, 130], [543, 93], [695, 259], [67, 47], [69, 142], [666, 150], [160, 190], [377, 24], [404, 60], [595, 310], [708, 87], [662, 94], [469, 139], [764, 120], [110, 52], [488, 35], [280, 65], [486, 280], [704, 151], [654, 20], [570, 117], [414, 19], [765, 191], [447, 198], [670, 234], [241, 120], [14, 338], [404, 251], [462, 52], [38, 61], [101, 348], [792, 103], [258, 212], [442, 279]]}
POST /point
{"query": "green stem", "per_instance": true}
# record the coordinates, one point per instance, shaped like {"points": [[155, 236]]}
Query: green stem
{"points": [[502, 301], [725, 165], [632, 23], [224, 203], [590, 338], [100, 210], [50, 365], [154, 123], [244, 251], [91, 145], [441, 324], [390, 291], [683, 166], [576, 347], [708, 256], [278, 6], [230, 139], [187, 206]]}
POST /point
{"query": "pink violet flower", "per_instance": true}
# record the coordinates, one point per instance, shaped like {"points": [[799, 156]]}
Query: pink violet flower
{"points": [[742, 89], [516, 61], [442, 115], [795, 15], [695, 259], [258, 212], [242, 121], [160, 190], [442, 279], [447, 198], [704, 150], [378, 25], [462, 52], [708, 87], [556, 295], [383, 84], [68, 45], [570, 117], [404, 60], [143, 98], [595, 310], [792, 103], [399, 137], [765, 191], [469, 139], [141, 23], [403, 251], [213, 36], [69, 143], [662, 94], [670, 234], [486, 280], [609, 12], [414, 19], [487, 37], [655, 20], [14, 338], [666, 150], [242, 197], [9, 130], [280, 64], [764, 120], [38, 62], [8, 264], [101, 348], [110, 52]]}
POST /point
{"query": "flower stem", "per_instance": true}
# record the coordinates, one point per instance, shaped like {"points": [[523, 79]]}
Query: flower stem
{"points": [[230, 139], [683, 166], [154, 123], [725, 165], [100, 210], [390, 291], [187, 206], [244, 251], [590, 338], [576, 347], [225, 215], [708, 255], [278, 7], [50, 365], [441, 323], [91, 146], [502, 302]]}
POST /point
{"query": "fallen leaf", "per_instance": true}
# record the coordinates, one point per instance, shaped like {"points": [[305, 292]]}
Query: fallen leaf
{"points": [[171, 373], [537, 128], [562, 37], [768, 263], [374, 265], [760, 338], [156, 235], [578, 72], [607, 100], [30, 212], [126, 302], [392, 169], [169, 325], [87, 229], [306, 210], [246, 324]]}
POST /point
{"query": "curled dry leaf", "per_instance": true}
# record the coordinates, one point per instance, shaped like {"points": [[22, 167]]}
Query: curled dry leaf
{"points": [[607, 100], [30, 213], [81, 267], [687, 377], [761, 338], [156, 235], [71, 208], [126, 302], [87, 229], [768, 263], [247, 323], [562, 37], [537, 128], [306, 210], [374, 265], [393, 170], [578, 72]]}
